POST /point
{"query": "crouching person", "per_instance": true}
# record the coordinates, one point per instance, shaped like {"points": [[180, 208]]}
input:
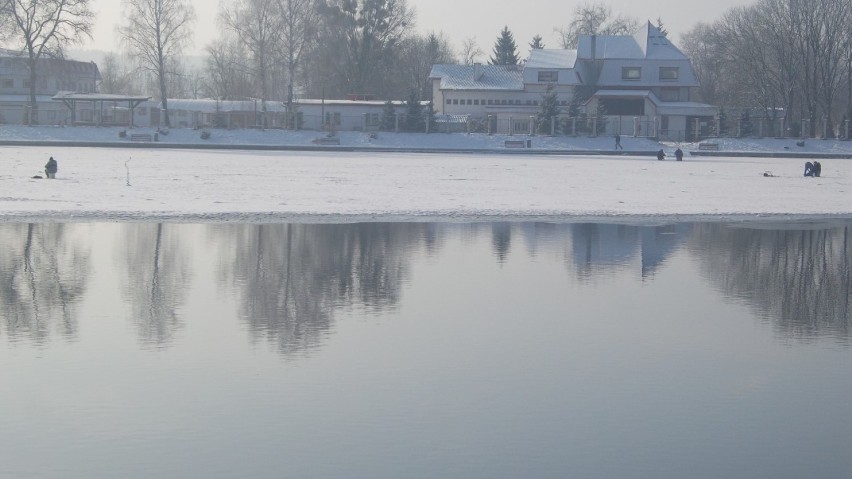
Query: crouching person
{"points": [[50, 168]]}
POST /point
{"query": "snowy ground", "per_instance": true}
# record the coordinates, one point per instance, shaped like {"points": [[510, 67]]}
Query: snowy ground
{"points": [[202, 185]]}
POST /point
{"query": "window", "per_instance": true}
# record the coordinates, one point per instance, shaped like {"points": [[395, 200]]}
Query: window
{"points": [[449, 102], [373, 120], [548, 77], [476, 102], [470, 102], [669, 73], [8, 83], [631, 73], [455, 102]]}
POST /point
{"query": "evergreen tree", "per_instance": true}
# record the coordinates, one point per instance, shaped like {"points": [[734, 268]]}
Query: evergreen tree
{"points": [[549, 110], [388, 117], [537, 43], [505, 49], [414, 121]]}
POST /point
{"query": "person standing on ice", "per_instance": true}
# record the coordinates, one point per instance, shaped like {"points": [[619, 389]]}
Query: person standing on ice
{"points": [[679, 154], [618, 142], [50, 168]]}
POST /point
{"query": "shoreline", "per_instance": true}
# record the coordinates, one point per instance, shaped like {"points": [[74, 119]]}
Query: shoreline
{"points": [[801, 221]]}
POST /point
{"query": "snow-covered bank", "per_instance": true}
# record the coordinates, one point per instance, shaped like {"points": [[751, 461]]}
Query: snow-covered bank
{"points": [[194, 185]]}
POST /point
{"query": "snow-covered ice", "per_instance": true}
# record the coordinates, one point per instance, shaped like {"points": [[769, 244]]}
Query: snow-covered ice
{"points": [[204, 185]]}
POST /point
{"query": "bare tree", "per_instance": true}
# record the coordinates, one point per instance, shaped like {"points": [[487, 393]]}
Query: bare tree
{"points": [[155, 33], [226, 70], [470, 52], [595, 19], [298, 32], [43, 28], [416, 56], [257, 25], [115, 77]]}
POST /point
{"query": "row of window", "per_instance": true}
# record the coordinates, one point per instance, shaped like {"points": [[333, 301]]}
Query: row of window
{"points": [[9, 84], [467, 101], [635, 73], [627, 73]]}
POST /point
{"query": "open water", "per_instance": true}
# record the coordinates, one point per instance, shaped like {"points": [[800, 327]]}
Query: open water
{"points": [[486, 350]]}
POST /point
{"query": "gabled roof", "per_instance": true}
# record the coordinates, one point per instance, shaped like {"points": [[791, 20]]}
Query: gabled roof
{"points": [[552, 58], [478, 77], [646, 44]]}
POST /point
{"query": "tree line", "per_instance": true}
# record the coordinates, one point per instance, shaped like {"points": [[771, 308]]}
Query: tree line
{"points": [[792, 59], [270, 50]]}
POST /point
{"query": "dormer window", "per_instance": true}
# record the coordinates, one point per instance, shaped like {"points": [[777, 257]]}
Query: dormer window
{"points": [[631, 73], [669, 73], [548, 77]]}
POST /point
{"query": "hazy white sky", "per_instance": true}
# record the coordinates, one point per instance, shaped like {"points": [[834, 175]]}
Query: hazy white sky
{"points": [[460, 19]]}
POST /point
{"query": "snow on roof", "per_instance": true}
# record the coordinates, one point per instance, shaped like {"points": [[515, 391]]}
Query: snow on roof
{"points": [[552, 58], [647, 43], [479, 77], [67, 95]]}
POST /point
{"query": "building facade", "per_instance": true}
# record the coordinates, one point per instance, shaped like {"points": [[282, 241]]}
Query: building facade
{"points": [[640, 85], [53, 75]]}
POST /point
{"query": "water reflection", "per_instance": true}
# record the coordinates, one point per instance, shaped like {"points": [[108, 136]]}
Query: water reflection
{"points": [[42, 278], [797, 279], [290, 279], [156, 274]]}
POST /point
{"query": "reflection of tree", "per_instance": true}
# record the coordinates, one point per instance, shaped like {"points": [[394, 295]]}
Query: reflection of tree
{"points": [[42, 277], [157, 276], [798, 279], [501, 240], [292, 278]]}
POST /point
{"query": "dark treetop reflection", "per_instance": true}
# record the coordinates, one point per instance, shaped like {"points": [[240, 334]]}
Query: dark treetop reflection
{"points": [[289, 280], [292, 278], [42, 277]]}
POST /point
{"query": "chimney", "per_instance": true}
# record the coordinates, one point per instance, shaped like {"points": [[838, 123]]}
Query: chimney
{"points": [[477, 71], [594, 47]]}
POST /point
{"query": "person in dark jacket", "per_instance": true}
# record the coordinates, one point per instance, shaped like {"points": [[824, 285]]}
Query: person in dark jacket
{"points": [[809, 169], [679, 154], [618, 142], [661, 155], [50, 168], [817, 169]]}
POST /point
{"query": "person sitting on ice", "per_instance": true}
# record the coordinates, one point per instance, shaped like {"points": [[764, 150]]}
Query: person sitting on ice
{"points": [[50, 168], [809, 169], [661, 155]]}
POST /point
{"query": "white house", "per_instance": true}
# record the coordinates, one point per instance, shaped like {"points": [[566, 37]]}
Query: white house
{"points": [[637, 84], [53, 75]]}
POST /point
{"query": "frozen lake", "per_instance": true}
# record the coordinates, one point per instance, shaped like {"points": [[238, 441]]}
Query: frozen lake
{"points": [[413, 350], [104, 184]]}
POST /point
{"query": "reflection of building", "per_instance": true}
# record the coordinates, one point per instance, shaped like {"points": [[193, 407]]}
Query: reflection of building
{"points": [[604, 247], [641, 83]]}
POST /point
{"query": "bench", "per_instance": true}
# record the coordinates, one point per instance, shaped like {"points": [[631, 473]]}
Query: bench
{"points": [[329, 140], [141, 137], [514, 144], [708, 146]]}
